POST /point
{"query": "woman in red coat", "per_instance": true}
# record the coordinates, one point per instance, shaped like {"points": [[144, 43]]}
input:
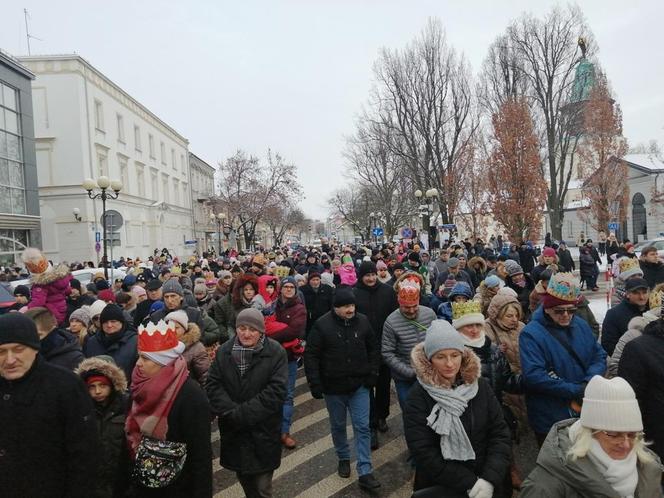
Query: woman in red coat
{"points": [[291, 311]]}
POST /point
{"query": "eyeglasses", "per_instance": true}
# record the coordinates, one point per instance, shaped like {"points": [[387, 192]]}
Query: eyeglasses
{"points": [[564, 311], [619, 437]]}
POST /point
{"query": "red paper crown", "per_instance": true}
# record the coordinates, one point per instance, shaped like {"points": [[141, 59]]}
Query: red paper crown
{"points": [[154, 338]]}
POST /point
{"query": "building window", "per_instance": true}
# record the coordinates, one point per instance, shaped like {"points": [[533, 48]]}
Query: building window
{"points": [[154, 184], [99, 115], [140, 180], [102, 164], [162, 146], [121, 130], [151, 145], [137, 138], [175, 166], [164, 185], [12, 243], [176, 191], [185, 194], [182, 163], [12, 186], [124, 176]]}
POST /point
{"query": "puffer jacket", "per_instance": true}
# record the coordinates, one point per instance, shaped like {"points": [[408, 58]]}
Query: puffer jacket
{"points": [[556, 475], [123, 348], [341, 355], [195, 354], [400, 336], [62, 348], [482, 420], [113, 477], [49, 290], [551, 376]]}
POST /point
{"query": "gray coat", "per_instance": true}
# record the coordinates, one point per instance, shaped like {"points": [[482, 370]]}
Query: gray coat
{"points": [[400, 337], [557, 476]]}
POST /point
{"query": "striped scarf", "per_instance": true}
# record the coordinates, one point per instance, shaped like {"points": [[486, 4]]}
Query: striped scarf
{"points": [[242, 356]]}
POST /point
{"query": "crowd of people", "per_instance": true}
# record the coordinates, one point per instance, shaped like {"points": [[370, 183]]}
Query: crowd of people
{"points": [[110, 389]]}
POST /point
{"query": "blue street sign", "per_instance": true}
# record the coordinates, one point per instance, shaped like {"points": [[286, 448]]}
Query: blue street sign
{"points": [[378, 232], [613, 226], [97, 247], [406, 232], [97, 236]]}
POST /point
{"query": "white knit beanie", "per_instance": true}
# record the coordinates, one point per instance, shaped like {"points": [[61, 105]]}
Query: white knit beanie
{"points": [[166, 357], [610, 405]]}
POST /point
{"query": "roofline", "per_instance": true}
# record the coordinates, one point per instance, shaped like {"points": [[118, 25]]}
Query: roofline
{"points": [[203, 161], [642, 168], [76, 57], [13, 62]]}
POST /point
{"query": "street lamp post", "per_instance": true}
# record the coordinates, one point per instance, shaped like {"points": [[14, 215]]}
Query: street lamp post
{"points": [[103, 183], [428, 197], [219, 218], [372, 222]]}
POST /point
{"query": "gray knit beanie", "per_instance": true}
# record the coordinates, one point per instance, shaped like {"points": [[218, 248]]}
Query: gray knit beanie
{"points": [[252, 318], [441, 335], [82, 315], [172, 286], [200, 288]]}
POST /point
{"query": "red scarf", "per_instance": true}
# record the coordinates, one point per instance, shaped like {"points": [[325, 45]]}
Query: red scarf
{"points": [[152, 399]]}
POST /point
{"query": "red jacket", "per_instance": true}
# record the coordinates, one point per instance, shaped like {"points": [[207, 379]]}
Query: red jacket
{"points": [[294, 314]]}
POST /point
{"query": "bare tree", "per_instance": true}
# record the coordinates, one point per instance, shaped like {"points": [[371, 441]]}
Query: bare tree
{"points": [[424, 98], [249, 188], [537, 59], [354, 204], [280, 219]]}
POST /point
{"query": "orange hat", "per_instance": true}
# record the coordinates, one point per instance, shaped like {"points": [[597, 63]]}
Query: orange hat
{"points": [[409, 293]]}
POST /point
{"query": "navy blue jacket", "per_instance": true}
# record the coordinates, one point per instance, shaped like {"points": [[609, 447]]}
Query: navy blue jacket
{"points": [[551, 377], [124, 350]]}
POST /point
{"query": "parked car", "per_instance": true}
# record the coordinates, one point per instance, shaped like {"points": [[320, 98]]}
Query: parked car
{"points": [[658, 243], [84, 276]]}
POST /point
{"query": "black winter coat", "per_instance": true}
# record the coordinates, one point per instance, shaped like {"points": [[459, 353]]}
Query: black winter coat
{"points": [[249, 407], [317, 303], [48, 439], [565, 261], [114, 465], [496, 370], [189, 422], [376, 303], [62, 348], [488, 433], [123, 349], [615, 324], [641, 365], [653, 273], [142, 311], [341, 355], [522, 294]]}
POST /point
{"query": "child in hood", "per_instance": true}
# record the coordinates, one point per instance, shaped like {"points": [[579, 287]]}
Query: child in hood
{"points": [[268, 289], [107, 387], [346, 271], [49, 285]]}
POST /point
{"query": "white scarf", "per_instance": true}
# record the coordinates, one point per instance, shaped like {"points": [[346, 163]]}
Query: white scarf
{"points": [[622, 475], [475, 343], [444, 419]]}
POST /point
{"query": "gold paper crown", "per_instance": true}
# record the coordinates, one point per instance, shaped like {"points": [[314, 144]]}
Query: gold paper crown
{"points": [[281, 271], [564, 286], [462, 309], [655, 301], [626, 264]]}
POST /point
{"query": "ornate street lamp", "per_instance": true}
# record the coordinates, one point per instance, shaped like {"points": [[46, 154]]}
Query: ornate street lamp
{"points": [[219, 219], [103, 183], [428, 197]]}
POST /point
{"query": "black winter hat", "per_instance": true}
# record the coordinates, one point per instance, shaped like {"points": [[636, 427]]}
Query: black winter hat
{"points": [[343, 297], [75, 284], [111, 312], [102, 285], [22, 290], [366, 268], [16, 327], [153, 284], [414, 256]]}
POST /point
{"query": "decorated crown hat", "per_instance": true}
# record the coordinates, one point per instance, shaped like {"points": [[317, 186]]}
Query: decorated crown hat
{"points": [[467, 313], [628, 267], [157, 337], [564, 287], [34, 260], [655, 300], [409, 292]]}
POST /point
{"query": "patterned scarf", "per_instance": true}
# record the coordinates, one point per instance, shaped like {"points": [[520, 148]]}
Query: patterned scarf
{"points": [[152, 400], [445, 420], [242, 356]]}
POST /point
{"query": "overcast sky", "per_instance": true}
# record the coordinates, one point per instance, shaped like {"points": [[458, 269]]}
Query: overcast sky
{"points": [[292, 75]]}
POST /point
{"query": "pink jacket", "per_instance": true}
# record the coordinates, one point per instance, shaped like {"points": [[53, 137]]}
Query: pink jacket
{"points": [[49, 290]]}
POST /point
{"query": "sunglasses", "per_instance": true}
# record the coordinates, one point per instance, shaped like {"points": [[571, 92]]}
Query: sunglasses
{"points": [[564, 311]]}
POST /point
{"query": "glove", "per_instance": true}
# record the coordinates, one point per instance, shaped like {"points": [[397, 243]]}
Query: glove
{"points": [[316, 392], [482, 489]]}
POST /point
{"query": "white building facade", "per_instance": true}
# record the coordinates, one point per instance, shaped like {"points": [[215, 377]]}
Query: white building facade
{"points": [[86, 127]]}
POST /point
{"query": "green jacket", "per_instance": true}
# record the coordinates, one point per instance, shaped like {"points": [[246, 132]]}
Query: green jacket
{"points": [[557, 476]]}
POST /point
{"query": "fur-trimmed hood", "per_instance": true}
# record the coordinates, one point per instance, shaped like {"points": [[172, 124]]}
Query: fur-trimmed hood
{"points": [[192, 335], [105, 368], [242, 280], [50, 276], [477, 261], [469, 371]]}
